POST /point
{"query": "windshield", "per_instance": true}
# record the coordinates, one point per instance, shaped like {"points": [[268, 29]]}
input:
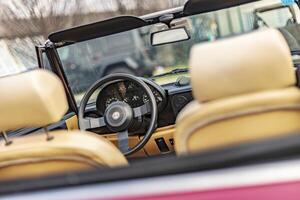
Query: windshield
{"points": [[131, 52]]}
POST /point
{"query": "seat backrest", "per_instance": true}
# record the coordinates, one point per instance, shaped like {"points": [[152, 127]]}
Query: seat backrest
{"points": [[244, 90], [36, 99], [32, 99]]}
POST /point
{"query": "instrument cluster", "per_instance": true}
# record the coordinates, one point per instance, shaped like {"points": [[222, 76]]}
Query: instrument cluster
{"points": [[129, 93]]}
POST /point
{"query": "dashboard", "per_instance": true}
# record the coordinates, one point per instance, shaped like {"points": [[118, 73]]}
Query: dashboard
{"points": [[170, 99], [130, 93]]}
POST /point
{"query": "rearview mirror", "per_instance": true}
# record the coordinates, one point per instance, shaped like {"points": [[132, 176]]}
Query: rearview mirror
{"points": [[169, 36]]}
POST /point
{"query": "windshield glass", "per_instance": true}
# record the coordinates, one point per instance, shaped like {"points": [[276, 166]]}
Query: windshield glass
{"points": [[131, 52]]}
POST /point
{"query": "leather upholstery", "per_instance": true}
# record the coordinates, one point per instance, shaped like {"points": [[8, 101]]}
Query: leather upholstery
{"points": [[247, 93], [36, 99], [33, 156], [32, 99], [222, 123], [248, 63]]}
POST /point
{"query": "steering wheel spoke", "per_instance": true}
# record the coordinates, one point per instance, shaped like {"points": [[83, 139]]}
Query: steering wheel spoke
{"points": [[91, 123], [123, 141], [142, 110]]}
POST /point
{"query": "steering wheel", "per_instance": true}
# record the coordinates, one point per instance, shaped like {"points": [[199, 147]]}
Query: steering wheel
{"points": [[119, 115]]}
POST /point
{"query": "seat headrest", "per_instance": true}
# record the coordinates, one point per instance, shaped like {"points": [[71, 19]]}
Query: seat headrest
{"points": [[243, 64], [32, 99]]}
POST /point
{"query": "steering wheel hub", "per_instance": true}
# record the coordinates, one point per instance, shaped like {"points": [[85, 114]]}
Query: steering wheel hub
{"points": [[118, 116]]}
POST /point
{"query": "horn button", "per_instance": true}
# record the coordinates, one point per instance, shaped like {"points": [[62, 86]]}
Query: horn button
{"points": [[118, 116]]}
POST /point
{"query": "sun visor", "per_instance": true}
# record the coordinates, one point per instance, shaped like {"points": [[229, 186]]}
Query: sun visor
{"points": [[193, 7], [98, 29]]}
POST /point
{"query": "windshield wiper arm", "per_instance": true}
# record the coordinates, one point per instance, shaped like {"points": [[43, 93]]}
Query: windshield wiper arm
{"points": [[174, 71]]}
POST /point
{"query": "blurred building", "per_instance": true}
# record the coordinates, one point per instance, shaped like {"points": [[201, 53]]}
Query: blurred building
{"points": [[243, 18]]}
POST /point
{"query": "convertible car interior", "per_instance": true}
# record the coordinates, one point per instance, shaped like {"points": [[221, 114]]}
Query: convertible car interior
{"points": [[218, 117], [237, 93]]}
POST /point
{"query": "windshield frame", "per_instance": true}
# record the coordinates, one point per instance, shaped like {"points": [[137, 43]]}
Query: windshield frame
{"points": [[50, 52]]}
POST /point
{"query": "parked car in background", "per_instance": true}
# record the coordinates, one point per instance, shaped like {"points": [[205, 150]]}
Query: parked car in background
{"points": [[123, 53]]}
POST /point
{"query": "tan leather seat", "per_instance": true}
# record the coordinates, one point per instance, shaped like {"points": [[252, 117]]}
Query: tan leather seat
{"points": [[244, 90], [37, 99]]}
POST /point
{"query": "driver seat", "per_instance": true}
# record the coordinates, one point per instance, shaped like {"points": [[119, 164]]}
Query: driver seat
{"points": [[37, 99], [244, 89]]}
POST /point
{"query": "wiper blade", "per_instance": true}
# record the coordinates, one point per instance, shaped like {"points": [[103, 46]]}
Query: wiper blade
{"points": [[174, 71]]}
